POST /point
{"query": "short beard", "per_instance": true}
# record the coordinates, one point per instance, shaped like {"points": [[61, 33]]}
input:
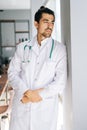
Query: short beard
{"points": [[46, 35]]}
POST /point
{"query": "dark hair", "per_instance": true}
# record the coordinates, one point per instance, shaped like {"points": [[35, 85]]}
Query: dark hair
{"points": [[42, 10]]}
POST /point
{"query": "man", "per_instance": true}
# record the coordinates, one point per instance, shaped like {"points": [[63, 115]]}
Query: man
{"points": [[37, 74]]}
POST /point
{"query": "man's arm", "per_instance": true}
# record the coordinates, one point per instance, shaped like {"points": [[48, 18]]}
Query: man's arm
{"points": [[14, 72]]}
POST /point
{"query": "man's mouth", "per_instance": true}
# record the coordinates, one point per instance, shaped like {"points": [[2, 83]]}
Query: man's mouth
{"points": [[49, 30]]}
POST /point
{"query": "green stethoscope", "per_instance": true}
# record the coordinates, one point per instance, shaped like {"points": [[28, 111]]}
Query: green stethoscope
{"points": [[28, 48]]}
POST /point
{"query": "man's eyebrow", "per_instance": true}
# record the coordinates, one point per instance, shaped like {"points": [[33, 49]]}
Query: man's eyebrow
{"points": [[45, 20], [48, 20]]}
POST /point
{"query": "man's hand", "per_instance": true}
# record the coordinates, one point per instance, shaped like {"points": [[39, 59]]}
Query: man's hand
{"points": [[25, 99], [32, 96]]}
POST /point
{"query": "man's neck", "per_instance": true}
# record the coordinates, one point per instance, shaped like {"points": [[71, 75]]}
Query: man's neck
{"points": [[40, 38]]}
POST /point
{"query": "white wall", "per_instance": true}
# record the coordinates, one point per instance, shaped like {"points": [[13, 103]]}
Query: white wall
{"points": [[65, 36], [79, 63], [74, 34]]}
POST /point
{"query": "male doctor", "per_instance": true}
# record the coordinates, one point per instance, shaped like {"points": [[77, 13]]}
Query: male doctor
{"points": [[37, 73]]}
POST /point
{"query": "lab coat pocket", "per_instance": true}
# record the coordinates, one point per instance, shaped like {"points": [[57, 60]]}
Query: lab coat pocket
{"points": [[47, 72], [50, 67], [24, 66], [47, 108], [50, 64]]}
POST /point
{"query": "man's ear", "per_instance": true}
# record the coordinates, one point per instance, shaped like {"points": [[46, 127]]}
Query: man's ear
{"points": [[36, 24]]}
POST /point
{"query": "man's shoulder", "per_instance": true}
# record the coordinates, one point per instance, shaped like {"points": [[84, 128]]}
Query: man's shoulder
{"points": [[23, 44], [59, 45]]}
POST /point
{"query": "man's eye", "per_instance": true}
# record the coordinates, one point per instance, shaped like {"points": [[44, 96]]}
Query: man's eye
{"points": [[52, 22], [49, 22], [45, 21]]}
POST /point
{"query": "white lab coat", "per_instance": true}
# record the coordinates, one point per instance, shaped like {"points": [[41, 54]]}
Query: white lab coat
{"points": [[40, 72]]}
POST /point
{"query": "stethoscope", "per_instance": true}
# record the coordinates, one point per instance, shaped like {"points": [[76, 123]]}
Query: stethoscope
{"points": [[29, 48]]}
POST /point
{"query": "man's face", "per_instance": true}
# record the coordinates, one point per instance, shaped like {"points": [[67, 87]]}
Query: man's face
{"points": [[45, 25]]}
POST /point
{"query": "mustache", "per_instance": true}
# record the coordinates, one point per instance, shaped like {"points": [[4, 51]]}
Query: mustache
{"points": [[49, 29]]}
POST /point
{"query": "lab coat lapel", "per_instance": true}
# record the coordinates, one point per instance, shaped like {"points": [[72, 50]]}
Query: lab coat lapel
{"points": [[35, 49]]}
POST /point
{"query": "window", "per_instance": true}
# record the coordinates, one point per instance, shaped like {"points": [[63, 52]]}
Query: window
{"points": [[55, 6]]}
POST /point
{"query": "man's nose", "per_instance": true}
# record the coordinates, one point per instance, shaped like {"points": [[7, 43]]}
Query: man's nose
{"points": [[50, 24]]}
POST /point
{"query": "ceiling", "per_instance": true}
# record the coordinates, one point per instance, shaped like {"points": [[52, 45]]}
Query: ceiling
{"points": [[18, 4], [14, 4]]}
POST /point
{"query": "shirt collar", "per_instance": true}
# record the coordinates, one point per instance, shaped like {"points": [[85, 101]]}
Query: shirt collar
{"points": [[35, 46]]}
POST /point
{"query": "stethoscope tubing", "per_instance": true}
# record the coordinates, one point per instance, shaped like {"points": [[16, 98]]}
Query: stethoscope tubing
{"points": [[30, 48]]}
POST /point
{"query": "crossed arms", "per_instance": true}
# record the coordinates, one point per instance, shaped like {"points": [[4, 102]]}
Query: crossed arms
{"points": [[31, 96]]}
